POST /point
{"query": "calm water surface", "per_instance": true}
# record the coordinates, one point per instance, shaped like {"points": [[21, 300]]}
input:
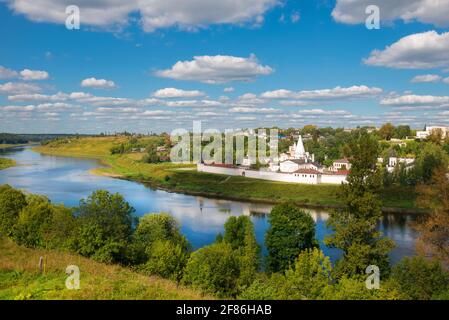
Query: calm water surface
{"points": [[67, 180]]}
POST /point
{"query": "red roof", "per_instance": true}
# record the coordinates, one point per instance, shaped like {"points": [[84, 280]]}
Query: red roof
{"points": [[307, 171], [338, 173], [221, 165], [342, 160]]}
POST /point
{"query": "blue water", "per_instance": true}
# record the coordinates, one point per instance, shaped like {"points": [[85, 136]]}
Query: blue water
{"points": [[67, 180]]}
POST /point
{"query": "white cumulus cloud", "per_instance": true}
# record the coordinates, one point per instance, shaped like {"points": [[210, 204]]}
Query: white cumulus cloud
{"points": [[18, 88], [216, 69], [177, 93], [154, 14], [6, 73], [424, 50], [425, 11], [426, 78], [28, 74], [334, 93], [415, 100], [98, 83]]}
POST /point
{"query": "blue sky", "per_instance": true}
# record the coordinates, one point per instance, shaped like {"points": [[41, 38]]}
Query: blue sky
{"points": [[258, 63]]}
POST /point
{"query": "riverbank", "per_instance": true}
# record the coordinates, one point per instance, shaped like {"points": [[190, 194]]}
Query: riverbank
{"points": [[6, 163], [169, 177], [8, 146], [20, 278]]}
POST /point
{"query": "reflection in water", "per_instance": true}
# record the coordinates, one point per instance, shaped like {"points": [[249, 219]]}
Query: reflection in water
{"points": [[67, 180]]}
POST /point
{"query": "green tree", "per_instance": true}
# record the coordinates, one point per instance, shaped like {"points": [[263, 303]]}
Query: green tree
{"points": [[239, 233], [387, 131], [12, 202], [151, 228], [402, 132], [159, 247], [59, 233], [33, 220], [433, 227], [152, 155], [166, 259], [267, 287], [420, 279], [106, 223], [430, 158], [355, 226], [355, 289], [291, 231], [214, 269], [310, 275]]}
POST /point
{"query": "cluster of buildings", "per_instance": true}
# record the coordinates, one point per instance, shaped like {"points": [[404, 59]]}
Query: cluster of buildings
{"points": [[295, 166], [428, 130]]}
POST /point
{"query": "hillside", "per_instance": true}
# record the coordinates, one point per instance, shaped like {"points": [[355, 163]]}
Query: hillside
{"points": [[20, 278], [168, 176]]}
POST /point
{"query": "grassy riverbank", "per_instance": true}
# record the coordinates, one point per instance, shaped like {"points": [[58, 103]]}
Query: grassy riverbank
{"points": [[20, 278], [8, 146], [179, 178], [6, 163]]}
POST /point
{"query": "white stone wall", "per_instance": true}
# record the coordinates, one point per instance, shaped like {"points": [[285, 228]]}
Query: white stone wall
{"points": [[284, 177], [333, 178], [219, 170], [304, 178], [288, 166]]}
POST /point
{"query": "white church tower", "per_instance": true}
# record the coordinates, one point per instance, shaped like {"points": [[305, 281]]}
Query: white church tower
{"points": [[300, 152]]}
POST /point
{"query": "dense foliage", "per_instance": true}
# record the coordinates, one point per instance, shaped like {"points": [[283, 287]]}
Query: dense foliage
{"points": [[291, 231], [355, 226]]}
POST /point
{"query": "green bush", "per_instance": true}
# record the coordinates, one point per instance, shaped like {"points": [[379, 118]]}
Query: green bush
{"points": [[34, 220], [420, 279], [166, 259], [267, 287], [214, 269], [310, 275], [105, 226], [12, 202], [151, 228], [239, 233], [291, 231]]}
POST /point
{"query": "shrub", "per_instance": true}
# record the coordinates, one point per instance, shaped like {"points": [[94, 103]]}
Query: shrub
{"points": [[12, 202], [33, 221], [166, 259], [291, 231], [420, 279], [214, 269], [152, 228], [309, 277], [105, 226]]}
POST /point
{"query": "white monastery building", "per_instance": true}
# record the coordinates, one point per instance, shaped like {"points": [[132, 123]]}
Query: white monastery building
{"points": [[296, 166]]}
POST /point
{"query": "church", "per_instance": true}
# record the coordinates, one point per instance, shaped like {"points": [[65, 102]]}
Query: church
{"points": [[296, 166], [295, 160]]}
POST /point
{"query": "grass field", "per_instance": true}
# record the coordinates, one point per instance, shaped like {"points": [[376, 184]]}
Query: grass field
{"points": [[6, 163], [180, 179], [20, 278]]}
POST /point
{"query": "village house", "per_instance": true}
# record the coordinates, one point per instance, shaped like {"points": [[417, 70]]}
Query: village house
{"points": [[394, 161], [428, 130]]}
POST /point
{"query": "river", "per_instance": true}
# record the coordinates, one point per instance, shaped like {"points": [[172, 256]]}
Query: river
{"points": [[67, 180]]}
